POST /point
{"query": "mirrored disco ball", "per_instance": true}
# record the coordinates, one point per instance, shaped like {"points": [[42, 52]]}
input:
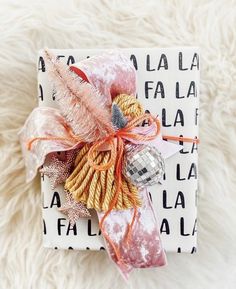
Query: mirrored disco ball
{"points": [[143, 165]]}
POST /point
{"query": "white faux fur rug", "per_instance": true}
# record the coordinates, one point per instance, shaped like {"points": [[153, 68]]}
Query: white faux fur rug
{"points": [[26, 26]]}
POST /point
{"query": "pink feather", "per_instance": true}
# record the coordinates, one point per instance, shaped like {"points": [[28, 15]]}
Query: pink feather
{"points": [[83, 107]]}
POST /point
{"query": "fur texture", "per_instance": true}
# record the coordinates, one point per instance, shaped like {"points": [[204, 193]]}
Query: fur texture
{"points": [[27, 26]]}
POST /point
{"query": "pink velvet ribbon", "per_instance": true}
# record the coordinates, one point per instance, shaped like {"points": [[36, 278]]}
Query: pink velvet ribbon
{"points": [[144, 249], [111, 74]]}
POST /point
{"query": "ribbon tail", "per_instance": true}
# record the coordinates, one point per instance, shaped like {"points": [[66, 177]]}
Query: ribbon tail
{"points": [[144, 249], [43, 122]]}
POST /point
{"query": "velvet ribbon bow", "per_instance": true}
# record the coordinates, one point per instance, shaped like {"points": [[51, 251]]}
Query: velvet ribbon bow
{"points": [[47, 131]]}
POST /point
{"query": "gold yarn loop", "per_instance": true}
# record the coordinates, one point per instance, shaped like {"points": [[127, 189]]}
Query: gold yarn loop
{"points": [[129, 105]]}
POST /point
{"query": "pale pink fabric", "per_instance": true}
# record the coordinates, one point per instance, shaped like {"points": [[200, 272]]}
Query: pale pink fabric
{"points": [[112, 73], [145, 249], [43, 122]]}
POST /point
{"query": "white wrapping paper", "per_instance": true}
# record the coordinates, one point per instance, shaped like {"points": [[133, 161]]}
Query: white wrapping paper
{"points": [[168, 86]]}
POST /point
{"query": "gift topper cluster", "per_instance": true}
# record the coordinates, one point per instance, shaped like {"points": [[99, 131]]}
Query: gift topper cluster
{"points": [[105, 151]]}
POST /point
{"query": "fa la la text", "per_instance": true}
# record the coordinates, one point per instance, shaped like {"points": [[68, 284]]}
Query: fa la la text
{"points": [[64, 228]]}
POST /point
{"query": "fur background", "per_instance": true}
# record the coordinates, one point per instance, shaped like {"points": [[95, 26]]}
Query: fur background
{"points": [[25, 27]]}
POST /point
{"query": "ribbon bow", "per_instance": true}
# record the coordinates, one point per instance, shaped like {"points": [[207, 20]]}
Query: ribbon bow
{"points": [[80, 120]]}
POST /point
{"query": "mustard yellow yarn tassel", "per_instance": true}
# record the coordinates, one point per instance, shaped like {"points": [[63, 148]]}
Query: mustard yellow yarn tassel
{"points": [[95, 188]]}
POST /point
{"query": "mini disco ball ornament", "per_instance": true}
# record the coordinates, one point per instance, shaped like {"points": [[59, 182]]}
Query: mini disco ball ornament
{"points": [[143, 165]]}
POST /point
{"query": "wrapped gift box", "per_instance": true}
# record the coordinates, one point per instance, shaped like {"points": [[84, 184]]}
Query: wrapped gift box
{"points": [[168, 86]]}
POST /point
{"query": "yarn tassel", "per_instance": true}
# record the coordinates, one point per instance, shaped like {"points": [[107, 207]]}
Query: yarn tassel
{"points": [[95, 188]]}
